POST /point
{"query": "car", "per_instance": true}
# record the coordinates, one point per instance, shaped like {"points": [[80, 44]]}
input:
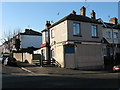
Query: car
{"points": [[11, 61], [116, 68], [3, 58]]}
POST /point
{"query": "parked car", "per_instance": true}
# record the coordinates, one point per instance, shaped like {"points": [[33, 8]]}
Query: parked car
{"points": [[116, 68], [11, 61], [4, 58]]}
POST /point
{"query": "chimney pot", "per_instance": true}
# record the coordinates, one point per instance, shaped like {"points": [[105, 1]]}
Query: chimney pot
{"points": [[83, 11], [73, 12], [93, 15], [113, 20], [47, 24], [26, 30]]}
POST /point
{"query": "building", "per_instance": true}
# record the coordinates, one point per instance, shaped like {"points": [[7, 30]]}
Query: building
{"points": [[74, 41], [23, 45], [111, 42], [119, 11]]}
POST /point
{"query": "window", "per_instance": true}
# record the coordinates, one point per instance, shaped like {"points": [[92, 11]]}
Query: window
{"points": [[52, 53], [43, 36], [104, 51], [52, 33], [76, 29], [108, 35], [115, 35], [94, 31]]}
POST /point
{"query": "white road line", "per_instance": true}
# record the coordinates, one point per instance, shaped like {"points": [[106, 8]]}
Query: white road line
{"points": [[26, 70]]}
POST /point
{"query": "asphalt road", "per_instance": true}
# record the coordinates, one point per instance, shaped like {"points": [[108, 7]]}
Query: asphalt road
{"points": [[14, 77]]}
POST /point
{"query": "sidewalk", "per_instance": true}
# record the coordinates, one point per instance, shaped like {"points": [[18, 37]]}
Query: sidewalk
{"points": [[23, 64], [59, 71]]}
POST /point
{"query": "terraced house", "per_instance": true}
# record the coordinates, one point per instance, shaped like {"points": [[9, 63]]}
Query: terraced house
{"points": [[111, 42]]}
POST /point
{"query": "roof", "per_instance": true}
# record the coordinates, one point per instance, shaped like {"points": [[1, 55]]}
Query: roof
{"points": [[114, 26], [75, 18], [30, 32], [82, 19], [29, 50], [44, 45]]}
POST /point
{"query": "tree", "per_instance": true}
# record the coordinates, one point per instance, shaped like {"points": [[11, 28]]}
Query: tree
{"points": [[8, 38]]}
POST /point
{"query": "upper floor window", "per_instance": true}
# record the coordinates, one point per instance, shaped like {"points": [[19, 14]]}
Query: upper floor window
{"points": [[52, 33], [115, 35], [94, 30], [76, 29], [46, 36], [108, 35], [43, 36]]}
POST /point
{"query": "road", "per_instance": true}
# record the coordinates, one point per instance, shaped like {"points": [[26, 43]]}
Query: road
{"points": [[14, 77]]}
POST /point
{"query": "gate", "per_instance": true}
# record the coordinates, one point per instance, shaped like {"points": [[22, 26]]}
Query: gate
{"points": [[36, 59]]}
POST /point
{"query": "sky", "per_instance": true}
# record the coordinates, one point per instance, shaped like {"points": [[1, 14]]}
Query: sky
{"points": [[34, 14]]}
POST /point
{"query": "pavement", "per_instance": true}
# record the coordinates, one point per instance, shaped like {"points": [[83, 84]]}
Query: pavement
{"points": [[38, 70]]}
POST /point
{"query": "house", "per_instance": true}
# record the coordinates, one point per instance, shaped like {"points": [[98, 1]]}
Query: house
{"points": [[74, 41], [23, 45], [44, 50], [111, 42], [4, 48]]}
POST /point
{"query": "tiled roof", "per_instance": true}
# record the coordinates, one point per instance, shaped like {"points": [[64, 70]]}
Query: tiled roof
{"points": [[77, 18], [31, 32], [115, 26], [44, 45]]}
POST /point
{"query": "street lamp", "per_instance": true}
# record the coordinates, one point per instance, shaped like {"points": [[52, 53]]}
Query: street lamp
{"points": [[100, 20]]}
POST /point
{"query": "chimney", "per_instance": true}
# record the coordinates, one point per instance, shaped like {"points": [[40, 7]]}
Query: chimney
{"points": [[26, 30], [93, 14], [83, 11], [73, 12], [47, 24], [113, 20]]}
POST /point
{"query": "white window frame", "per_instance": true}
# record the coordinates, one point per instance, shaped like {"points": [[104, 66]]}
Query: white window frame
{"points": [[94, 30], [43, 36], [76, 29], [52, 33]]}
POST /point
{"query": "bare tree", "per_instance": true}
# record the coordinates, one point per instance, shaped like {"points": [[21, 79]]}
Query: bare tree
{"points": [[8, 36]]}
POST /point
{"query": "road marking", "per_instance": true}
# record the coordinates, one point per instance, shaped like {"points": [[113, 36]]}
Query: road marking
{"points": [[26, 70]]}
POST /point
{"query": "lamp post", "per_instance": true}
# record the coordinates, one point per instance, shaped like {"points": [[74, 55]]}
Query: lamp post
{"points": [[113, 43]]}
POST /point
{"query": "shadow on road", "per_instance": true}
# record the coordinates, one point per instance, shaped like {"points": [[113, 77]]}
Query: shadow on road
{"points": [[58, 82]]}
